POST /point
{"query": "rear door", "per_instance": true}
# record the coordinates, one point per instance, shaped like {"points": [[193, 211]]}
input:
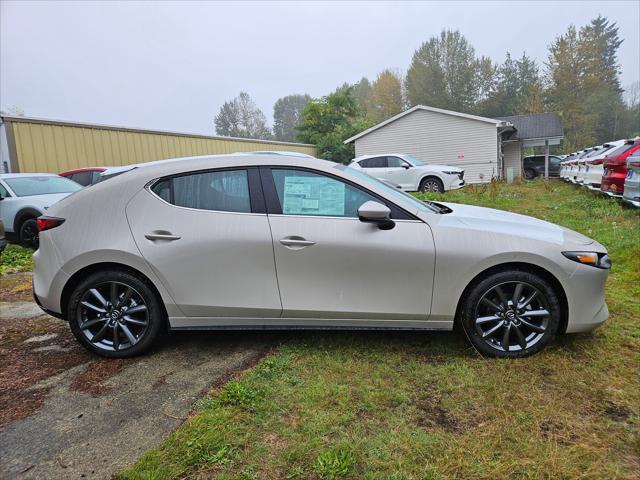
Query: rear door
{"points": [[333, 266], [207, 236]]}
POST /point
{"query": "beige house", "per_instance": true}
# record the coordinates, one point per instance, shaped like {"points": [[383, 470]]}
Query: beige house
{"points": [[53, 146], [485, 147]]}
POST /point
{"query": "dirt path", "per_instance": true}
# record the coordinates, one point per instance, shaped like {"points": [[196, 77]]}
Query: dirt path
{"points": [[68, 414]]}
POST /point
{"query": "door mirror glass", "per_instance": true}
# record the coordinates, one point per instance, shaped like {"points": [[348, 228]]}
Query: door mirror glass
{"points": [[375, 212]]}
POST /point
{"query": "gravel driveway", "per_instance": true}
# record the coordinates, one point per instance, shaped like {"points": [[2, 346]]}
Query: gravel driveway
{"points": [[65, 413]]}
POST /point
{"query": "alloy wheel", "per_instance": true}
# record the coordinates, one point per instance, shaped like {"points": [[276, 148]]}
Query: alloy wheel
{"points": [[113, 316], [512, 316], [431, 186]]}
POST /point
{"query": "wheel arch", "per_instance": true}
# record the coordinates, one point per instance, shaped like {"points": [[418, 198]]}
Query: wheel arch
{"points": [[84, 272], [527, 267], [430, 175], [22, 215]]}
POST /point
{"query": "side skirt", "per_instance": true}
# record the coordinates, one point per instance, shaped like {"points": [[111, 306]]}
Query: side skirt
{"points": [[220, 323]]}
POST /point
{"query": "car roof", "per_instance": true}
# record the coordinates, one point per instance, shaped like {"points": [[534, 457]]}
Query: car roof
{"points": [[364, 157], [172, 166], [84, 169], [4, 176]]}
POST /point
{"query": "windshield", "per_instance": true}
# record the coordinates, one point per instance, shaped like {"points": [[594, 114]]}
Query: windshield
{"points": [[414, 161], [391, 193], [26, 186]]}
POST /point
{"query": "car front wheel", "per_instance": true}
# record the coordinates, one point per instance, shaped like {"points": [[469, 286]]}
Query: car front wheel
{"points": [[115, 314], [511, 314], [431, 184], [530, 174]]}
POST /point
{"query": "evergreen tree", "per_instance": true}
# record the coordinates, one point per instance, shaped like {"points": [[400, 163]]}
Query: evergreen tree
{"points": [[287, 115], [444, 73]]}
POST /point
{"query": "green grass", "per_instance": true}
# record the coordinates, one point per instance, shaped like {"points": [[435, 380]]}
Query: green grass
{"points": [[14, 259], [426, 406]]}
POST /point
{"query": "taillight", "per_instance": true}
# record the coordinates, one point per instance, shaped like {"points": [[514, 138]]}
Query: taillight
{"points": [[634, 164], [47, 223]]}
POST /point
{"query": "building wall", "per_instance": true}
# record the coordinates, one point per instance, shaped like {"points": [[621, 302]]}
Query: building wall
{"points": [[439, 138], [512, 158], [49, 146]]}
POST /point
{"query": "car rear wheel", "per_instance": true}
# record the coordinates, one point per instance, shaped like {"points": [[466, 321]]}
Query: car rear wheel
{"points": [[115, 314], [29, 233], [431, 184], [530, 173], [511, 314]]}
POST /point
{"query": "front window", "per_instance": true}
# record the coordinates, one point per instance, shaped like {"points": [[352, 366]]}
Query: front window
{"points": [[27, 186], [390, 192], [306, 193]]}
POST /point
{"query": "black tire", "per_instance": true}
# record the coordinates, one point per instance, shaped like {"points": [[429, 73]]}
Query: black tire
{"points": [[476, 314], [530, 173], [140, 294], [29, 235], [431, 184]]}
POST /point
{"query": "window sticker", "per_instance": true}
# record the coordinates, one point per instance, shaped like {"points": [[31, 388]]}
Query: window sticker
{"points": [[313, 196]]}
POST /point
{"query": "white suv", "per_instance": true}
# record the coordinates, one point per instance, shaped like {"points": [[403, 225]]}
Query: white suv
{"points": [[409, 173]]}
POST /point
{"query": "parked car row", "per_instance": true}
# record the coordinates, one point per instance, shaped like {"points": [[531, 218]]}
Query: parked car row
{"points": [[612, 168]]}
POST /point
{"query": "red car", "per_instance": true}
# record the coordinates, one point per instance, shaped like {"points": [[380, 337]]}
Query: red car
{"points": [[84, 176], [615, 168]]}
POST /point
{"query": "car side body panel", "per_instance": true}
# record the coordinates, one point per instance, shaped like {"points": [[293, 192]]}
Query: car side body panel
{"points": [[465, 242]]}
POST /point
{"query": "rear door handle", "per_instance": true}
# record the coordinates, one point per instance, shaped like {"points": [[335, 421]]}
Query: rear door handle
{"points": [[296, 242], [161, 236]]}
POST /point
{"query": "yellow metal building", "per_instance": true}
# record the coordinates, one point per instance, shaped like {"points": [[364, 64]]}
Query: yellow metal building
{"points": [[39, 145]]}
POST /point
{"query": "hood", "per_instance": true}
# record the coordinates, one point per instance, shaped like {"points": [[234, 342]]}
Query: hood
{"points": [[47, 200], [501, 222]]}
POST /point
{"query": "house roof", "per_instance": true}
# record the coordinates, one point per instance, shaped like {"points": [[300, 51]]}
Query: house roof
{"points": [[494, 121], [536, 126]]}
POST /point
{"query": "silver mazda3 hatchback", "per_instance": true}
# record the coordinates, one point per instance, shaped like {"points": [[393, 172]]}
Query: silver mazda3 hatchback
{"points": [[271, 241]]}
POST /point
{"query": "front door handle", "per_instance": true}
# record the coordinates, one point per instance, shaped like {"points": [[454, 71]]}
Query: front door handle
{"points": [[162, 235], [296, 242]]}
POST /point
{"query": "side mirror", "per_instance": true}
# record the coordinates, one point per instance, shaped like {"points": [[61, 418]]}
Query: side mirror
{"points": [[374, 212], [406, 166]]}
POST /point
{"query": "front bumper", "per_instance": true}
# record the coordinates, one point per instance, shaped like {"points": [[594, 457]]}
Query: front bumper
{"points": [[585, 298]]}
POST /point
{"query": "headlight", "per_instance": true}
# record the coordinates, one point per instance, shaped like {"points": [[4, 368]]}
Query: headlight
{"points": [[451, 173], [598, 260]]}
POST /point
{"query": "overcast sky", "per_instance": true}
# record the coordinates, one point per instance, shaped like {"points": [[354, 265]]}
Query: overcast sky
{"points": [[170, 66]]}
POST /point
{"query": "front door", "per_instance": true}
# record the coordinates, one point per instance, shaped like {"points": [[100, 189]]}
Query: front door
{"points": [[208, 242], [331, 265], [398, 174]]}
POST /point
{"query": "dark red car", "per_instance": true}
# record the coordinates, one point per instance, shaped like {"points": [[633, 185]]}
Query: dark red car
{"points": [[615, 168], [84, 176]]}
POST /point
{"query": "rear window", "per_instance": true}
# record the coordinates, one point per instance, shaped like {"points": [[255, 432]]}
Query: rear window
{"points": [[221, 190], [377, 162], [27, 186], [621, 149]]}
